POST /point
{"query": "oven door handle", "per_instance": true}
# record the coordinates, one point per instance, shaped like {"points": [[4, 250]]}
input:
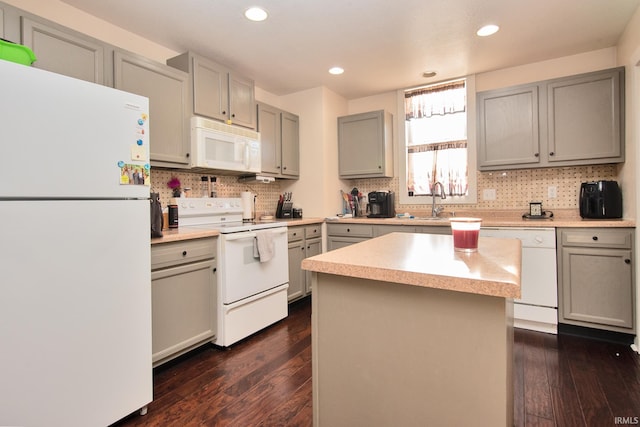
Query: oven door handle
{"points": [[233, 305], [251, 234]]}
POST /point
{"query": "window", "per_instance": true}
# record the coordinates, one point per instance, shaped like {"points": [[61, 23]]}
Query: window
{"points": [[436, 139]]}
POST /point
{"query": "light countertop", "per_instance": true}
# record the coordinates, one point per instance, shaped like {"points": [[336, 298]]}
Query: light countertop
{"points": [[497, 218], [184, 233], [187, 233], [428, 260]]}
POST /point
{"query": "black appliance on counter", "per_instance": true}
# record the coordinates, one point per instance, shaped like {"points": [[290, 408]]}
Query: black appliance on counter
{"points": [[381, 204], [600, 200]]}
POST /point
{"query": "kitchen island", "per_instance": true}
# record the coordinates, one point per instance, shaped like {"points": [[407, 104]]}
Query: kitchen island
{"points": [[408, 332]]}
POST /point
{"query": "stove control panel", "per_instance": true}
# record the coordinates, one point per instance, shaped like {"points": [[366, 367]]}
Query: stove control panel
{"points": [[208, 210]]}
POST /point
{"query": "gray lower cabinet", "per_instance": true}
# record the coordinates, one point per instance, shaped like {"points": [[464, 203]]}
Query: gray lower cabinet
{"points": [[64, 51], [183, 293], [341, 235], [434, 229], [280, 139], [575, 120], [595, 278], [218, 92], [365, 145], [304, 241], [381, 230], [167, 89]]}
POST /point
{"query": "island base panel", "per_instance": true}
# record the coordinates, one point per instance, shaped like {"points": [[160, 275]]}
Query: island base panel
{"points": [[387, 354]]}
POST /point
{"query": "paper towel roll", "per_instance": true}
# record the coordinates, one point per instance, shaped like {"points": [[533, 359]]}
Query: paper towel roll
{"points": [[247, 205]]}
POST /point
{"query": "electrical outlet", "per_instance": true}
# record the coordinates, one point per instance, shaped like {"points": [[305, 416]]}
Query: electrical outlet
{"points": [[552, 192], [489, 194]]}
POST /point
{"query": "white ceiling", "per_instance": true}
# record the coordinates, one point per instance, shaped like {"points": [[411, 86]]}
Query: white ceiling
{"points": [[383, 45]]}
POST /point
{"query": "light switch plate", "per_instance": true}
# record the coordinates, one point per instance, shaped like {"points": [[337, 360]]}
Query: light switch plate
{"points": [[552, 192]]}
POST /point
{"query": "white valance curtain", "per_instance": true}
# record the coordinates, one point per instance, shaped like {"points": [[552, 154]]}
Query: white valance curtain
{"points": [[435, 100], [436, 139]]}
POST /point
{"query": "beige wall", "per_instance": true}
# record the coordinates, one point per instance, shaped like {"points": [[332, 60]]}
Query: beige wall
{"points": [[629, 56]]}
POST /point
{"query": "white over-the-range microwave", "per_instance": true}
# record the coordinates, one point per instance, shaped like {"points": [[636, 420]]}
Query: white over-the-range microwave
{"points": [[222, 147]]}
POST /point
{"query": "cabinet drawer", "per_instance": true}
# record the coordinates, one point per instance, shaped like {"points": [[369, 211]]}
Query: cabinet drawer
{"points": [[175, 253], [356, 230], [598, 237], [295, 233], [381, 230], [313, 231]]}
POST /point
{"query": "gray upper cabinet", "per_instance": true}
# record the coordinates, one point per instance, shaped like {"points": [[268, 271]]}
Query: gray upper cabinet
{"points": [[2, 22], [242, 101], [280, 142], [290, 144], [270, 134], [167, 90], [569, 121], [64, 51], [508, 127], [584, 118], [365, 145], [218, 92]]}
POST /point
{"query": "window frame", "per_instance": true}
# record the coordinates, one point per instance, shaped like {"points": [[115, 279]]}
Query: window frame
{"points": [[472, 197]]}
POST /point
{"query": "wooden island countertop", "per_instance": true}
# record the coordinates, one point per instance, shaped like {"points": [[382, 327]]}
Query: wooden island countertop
{"points": [[405, 331]]}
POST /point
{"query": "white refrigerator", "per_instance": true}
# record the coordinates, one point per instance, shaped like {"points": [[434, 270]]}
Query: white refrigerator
{"points": [[75, 285]]}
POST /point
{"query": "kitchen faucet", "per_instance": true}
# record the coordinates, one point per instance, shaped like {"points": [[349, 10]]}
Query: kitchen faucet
{"points": [[436, 210]]}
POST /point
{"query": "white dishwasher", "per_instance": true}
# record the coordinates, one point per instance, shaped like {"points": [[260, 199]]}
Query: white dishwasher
{"points": [[537, 309]]}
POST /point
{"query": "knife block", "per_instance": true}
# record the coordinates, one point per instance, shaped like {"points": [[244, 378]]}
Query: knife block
{"points": [[284, 210]]}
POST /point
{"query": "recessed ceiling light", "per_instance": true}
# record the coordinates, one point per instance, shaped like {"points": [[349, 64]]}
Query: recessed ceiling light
{"points": [[428, 74], [256, 14], [487, 30], [336, 70]]}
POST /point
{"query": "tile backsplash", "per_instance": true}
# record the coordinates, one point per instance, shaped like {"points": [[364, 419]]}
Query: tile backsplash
{"points": [[514, 188], [226, 186]]}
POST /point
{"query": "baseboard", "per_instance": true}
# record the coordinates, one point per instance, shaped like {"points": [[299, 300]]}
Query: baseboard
{"points": [[598, 334]]}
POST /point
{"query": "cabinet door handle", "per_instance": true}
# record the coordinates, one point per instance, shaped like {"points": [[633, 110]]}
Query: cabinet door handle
{"points": [[224, 113], [348, 230], [595, 238], [627, 261], [215, 269], [184, 253], [284, 168], [187, 155], [552, 153], [233, 115], [536, 155]]}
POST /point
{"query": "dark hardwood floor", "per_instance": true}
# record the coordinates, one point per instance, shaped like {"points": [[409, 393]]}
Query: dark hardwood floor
{"points": [[265, 380]]}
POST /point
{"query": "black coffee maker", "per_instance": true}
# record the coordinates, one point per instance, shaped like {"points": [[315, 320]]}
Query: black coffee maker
{"points": [[381, 204]]}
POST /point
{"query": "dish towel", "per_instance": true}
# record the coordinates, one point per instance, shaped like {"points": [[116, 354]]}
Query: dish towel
{"points": [[264, 245]]}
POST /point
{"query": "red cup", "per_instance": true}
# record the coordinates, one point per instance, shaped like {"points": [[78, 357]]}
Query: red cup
{"points": [[465, 233]]}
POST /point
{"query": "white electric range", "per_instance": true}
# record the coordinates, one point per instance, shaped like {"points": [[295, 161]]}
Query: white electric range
{"points": [[253, 266]]}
